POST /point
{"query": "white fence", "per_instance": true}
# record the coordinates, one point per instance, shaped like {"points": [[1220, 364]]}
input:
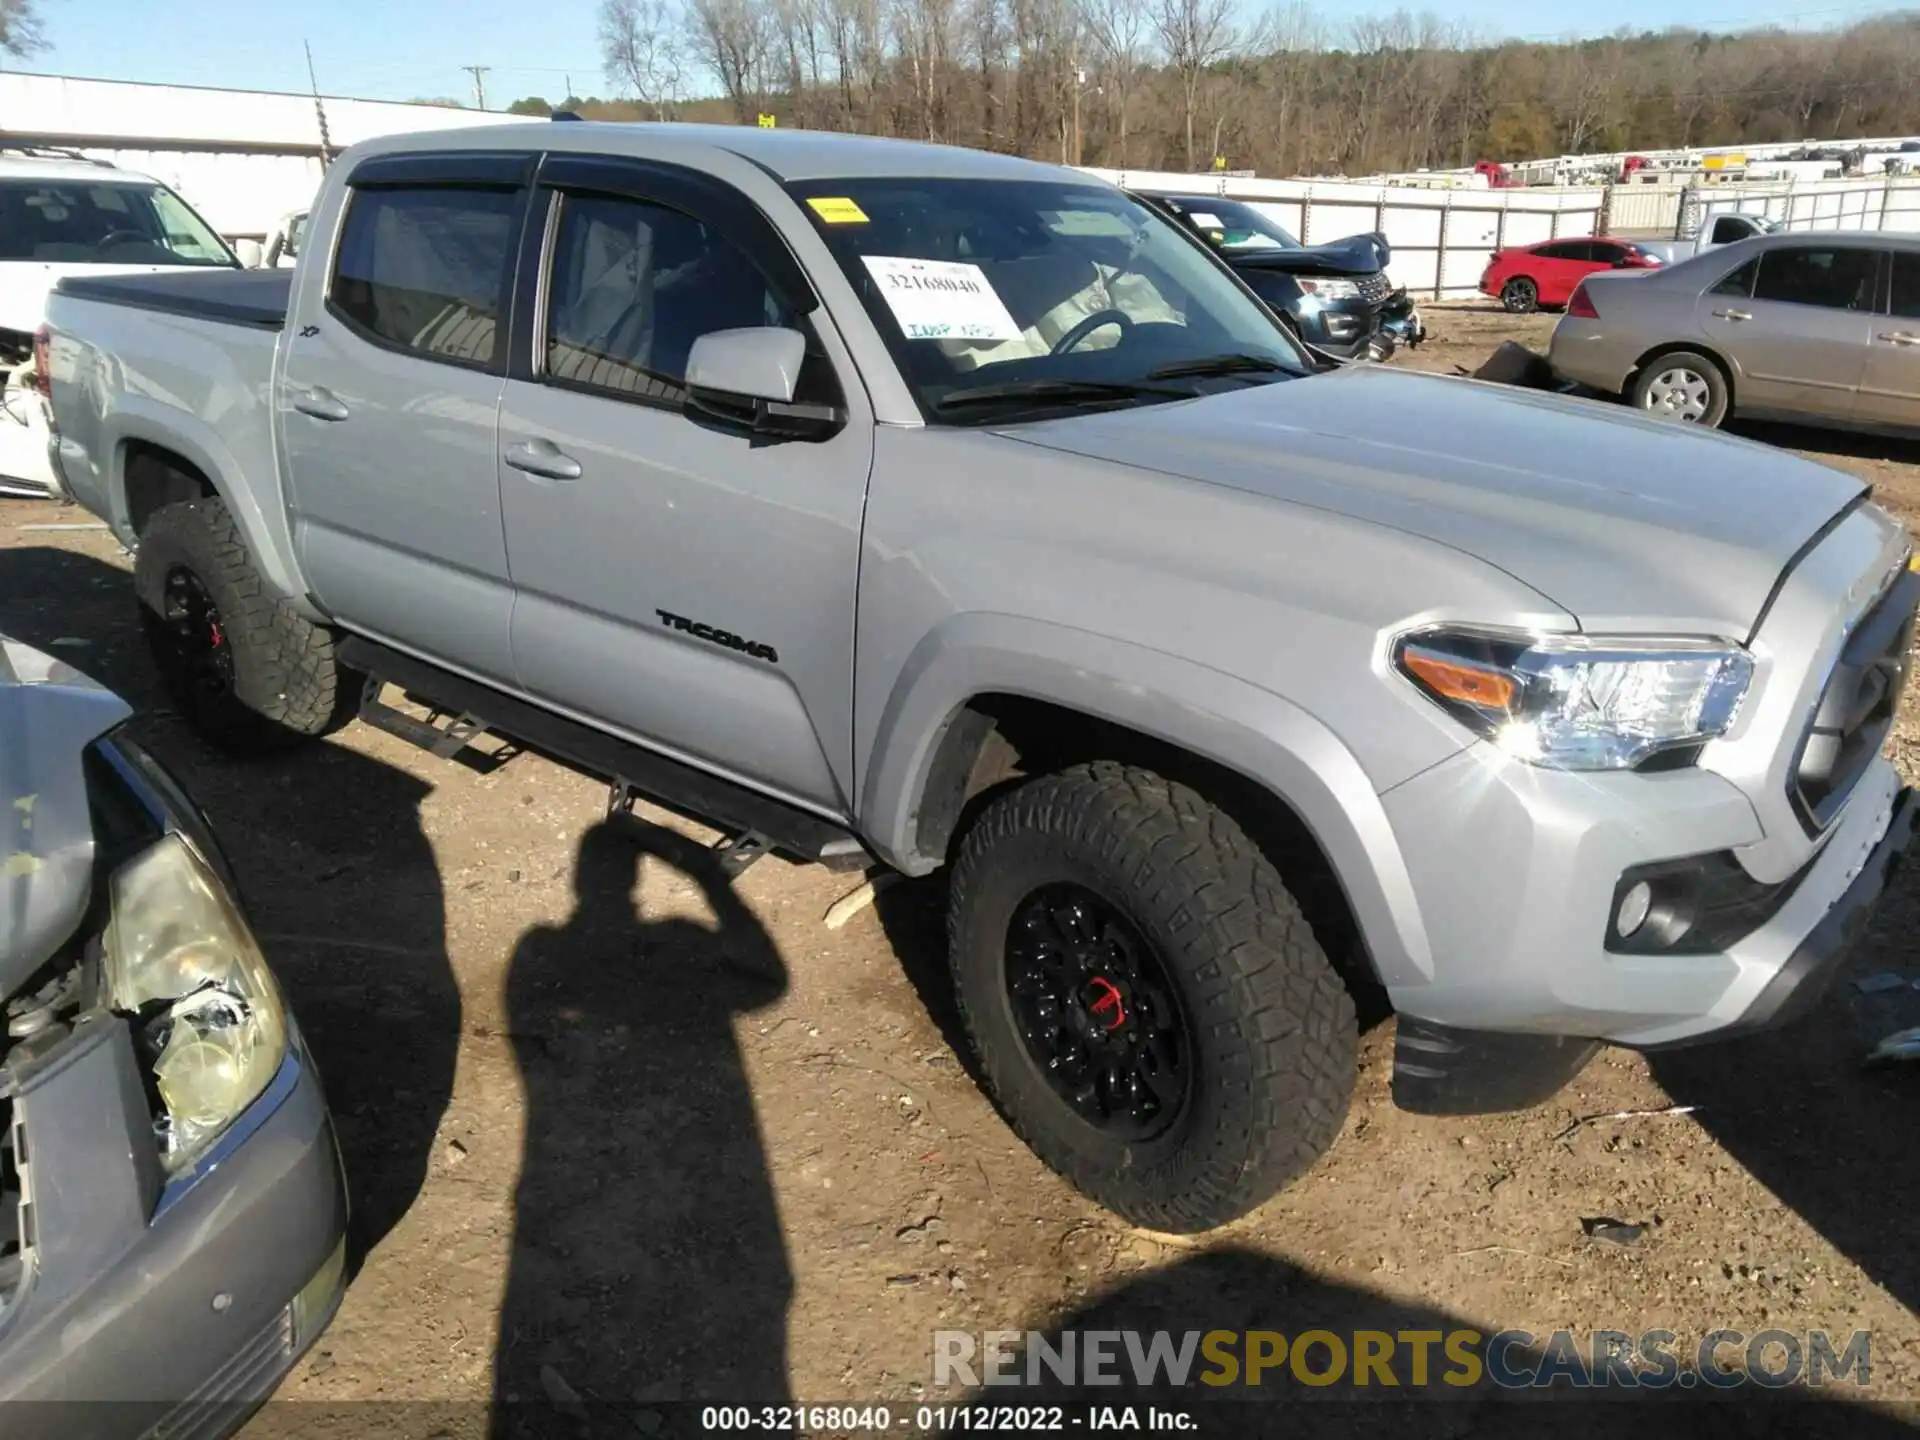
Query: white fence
{"points": [[1441, 239]]}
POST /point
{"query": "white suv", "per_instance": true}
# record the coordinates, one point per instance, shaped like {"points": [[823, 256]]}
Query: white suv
{"points": [[62, 214]]}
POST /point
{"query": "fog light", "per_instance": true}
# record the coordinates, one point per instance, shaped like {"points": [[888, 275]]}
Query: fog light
{"points": [[1634, 906]]}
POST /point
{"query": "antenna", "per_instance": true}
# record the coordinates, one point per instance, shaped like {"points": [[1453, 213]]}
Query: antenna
{"points": [[319, 110], [479, 84]]}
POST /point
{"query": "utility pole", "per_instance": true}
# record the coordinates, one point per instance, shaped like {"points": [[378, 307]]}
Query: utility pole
{"points": [[479, 85]]}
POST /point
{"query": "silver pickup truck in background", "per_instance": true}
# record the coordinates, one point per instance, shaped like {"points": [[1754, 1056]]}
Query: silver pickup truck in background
{"points": [[898, 504]]}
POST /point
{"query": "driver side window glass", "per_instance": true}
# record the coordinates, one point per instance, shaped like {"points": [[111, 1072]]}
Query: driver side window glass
{"points": [[633, 286], [1726, 230]]}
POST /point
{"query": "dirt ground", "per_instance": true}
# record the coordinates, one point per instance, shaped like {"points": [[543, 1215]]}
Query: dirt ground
{"points": [[617, 1131]]}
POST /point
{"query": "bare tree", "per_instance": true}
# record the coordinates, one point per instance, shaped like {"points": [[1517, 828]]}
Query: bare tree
{"points": [[640, 49], [1117, 31], [729, 38], [20, 34], [1194, 34]]}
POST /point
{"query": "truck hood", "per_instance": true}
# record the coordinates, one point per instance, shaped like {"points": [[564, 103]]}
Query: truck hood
{"points": [[1604, 512], [25, 285], [49, 714], [1356, 255]]}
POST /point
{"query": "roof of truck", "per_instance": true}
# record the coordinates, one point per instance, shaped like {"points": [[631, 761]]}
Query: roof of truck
{"points": [[788, 154]]}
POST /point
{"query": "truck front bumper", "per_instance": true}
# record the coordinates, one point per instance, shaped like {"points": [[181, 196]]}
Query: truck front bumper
{"points": [[1443, 1069]]}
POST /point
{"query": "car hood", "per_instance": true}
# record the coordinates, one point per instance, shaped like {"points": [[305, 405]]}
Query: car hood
{"points": [[49, 714], [1605, 513], [1356, 255]]}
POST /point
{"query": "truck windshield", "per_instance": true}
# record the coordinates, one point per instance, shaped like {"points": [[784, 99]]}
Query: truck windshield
{"points": [[995, 295], [107, 223]]}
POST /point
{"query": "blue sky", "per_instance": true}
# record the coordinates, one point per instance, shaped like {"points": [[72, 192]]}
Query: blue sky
{"points": [[405, 49]]}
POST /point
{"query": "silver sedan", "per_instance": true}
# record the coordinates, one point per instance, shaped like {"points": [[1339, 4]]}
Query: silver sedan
{"points": [[1816, 327]]}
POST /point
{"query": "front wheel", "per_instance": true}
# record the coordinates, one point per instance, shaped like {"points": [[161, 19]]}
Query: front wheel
{"points": [[1149, 1007], [1683, 386], [1520, 295]]}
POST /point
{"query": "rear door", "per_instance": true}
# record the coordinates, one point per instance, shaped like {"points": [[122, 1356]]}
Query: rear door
{"points": [[1559, 266], [1796, 321], [680, 580], [389, 404], [1890, 388]]}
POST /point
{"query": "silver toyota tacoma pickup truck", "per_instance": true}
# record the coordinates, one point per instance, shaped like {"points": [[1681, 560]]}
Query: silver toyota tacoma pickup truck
{"points": [[895, 504]]}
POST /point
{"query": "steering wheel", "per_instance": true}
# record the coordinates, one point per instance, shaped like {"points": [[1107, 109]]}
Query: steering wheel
{"points": [[115, 237], [1093, 322]]}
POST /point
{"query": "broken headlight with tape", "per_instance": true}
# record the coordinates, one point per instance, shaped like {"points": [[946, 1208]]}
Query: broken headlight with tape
{"points": [[1579, 702], [207, 1015]]}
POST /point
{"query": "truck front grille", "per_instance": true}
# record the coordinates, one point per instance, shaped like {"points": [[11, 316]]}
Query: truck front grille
{"points": [[1857, 706], [1374, 288]]}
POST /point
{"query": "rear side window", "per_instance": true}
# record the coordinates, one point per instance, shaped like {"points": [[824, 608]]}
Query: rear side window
{"points": [[429, 269], [1830, 276], [1564, 250], [1738, 282]]}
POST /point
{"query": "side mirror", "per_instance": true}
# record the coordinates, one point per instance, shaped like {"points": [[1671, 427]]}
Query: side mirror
{"points": [[249, 254], [748, 378]]}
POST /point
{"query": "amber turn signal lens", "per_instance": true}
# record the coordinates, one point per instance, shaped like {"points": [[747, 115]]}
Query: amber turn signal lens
{"points": [[1451, 679]]}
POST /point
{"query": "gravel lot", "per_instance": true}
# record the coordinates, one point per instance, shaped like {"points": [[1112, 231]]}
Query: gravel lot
{"points": [[609, 1120]]}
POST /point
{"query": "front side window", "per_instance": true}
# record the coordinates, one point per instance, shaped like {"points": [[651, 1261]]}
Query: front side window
{"points": [[1830, 276], [634, 285], [429, 269], [1008, 291], [80, 223]]}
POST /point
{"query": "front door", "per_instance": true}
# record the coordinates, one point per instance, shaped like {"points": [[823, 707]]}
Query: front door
{"points": [[389, 405], [679, 580], [1795, 322], [1890, 388]]}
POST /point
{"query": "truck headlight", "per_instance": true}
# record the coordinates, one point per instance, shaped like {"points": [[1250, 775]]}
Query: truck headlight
{"points": [[1580, 702], [180, 959]]}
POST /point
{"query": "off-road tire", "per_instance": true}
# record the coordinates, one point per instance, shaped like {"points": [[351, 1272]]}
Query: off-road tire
{"points": [[1270, 1024], [287, 685]]}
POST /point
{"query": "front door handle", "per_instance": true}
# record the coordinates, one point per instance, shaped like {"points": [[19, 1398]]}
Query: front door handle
{"points": [[544, 458], [321, 403], [1899, 337], [1735, 315]]}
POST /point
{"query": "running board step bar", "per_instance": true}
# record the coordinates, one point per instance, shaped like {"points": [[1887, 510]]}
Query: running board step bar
{"points": [[755, 823]]}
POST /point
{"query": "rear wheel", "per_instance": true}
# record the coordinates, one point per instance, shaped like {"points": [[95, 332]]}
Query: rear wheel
{"points": [[246, 671], [1520, 295], [1681, 385], [1149, 1007]]}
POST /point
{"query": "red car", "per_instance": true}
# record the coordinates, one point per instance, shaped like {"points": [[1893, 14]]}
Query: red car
{"points": [[1529, 276]]}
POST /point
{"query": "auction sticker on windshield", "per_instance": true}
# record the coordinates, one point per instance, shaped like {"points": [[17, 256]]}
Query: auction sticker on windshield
{"points": [[941, 299]]}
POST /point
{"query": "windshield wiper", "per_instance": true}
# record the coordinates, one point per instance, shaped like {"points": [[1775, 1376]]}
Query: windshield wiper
{"points": [[1220, 365], [1045, 391]]}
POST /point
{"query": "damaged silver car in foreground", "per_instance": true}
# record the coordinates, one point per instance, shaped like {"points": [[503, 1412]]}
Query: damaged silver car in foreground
{"points": [[172, 1209]]}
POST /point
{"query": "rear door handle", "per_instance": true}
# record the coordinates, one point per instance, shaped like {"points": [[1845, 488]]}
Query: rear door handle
{"points": [[544, 458], [321, 403], [1733, 314], [1899, 337]]}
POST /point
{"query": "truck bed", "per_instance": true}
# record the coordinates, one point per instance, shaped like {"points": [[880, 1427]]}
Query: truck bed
{"points": [[234, 297]]}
